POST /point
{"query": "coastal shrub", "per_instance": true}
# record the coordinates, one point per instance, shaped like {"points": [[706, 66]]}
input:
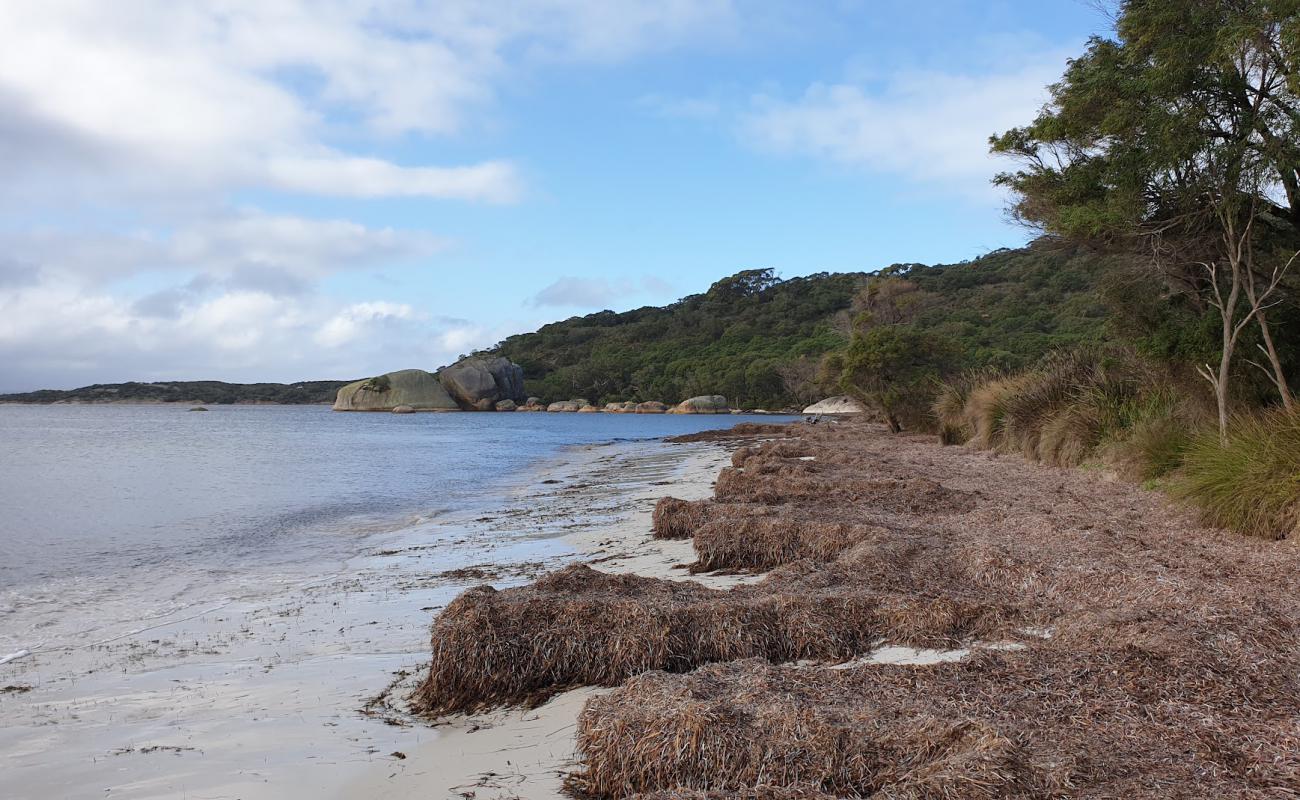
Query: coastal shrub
{"points": [[379, 383], [1158, 438], [1251, 485], [950, 405]]}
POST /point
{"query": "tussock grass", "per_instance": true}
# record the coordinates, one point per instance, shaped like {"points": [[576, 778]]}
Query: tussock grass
{"points": [[761, 543], [950, 405], [1253, 484]]}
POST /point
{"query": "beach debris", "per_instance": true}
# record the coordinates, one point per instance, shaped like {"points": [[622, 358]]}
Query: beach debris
{"points": [[15, 656]]}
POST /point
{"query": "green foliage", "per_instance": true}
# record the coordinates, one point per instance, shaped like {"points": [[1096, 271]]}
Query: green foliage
{"points": [[755, 339], [1253, 484], [894, 369], [740, 339], [379, 383]]}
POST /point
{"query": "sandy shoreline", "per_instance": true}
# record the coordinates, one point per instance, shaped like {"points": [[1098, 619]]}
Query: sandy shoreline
{"points": [[524, 753], [264, 693]]}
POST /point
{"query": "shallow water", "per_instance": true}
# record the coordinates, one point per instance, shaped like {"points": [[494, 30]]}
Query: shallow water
{"points": [[204, 601], [93, 490]]}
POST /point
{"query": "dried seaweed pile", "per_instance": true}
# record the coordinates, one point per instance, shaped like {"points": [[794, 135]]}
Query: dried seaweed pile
{"points": [[1126, 722], [1156, 658], [579, 626]]}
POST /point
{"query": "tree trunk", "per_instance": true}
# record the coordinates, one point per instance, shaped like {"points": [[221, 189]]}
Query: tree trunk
{"points": [[1279, 377]]}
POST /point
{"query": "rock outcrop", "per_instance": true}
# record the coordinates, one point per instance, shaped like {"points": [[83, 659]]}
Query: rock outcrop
{"points": [[620, 408], [414, 388], [840, 404], [568, 406], [704, 404], [651, 407], [507, 405], [589, 409], [477, 383]]}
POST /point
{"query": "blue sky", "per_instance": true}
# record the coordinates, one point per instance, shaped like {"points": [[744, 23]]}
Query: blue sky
{"points": [[289, 190]]}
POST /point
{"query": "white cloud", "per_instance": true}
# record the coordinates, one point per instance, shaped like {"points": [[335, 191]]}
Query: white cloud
{"points": [[596, 293], [931, 127], [351, 321], [493, 181], [159, 97], [129, 128], [241, 247]]}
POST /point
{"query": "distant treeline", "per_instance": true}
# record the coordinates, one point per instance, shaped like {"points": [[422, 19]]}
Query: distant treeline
{"points": [[206, 392], [764, 342]]}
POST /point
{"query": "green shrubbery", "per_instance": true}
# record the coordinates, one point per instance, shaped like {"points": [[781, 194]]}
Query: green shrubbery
{"points": [[1251, 484], [1112, 407]]}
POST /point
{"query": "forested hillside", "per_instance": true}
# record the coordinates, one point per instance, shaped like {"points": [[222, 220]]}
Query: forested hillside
{"points": [[763, 342], [209, 392]]}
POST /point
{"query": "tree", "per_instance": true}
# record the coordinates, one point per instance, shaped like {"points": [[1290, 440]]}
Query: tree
{"points": [[1179, 140], [895, 369]]}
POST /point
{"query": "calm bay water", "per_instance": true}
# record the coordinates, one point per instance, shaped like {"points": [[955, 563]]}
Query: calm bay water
{"points": [[111, 490], [204, 604]]}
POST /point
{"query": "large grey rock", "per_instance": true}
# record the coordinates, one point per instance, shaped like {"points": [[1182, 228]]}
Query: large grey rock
{"points": [[414, 388], [570, 406], [651, 407], [704, 404], [841, 404], [478, 383], [507, 405]]}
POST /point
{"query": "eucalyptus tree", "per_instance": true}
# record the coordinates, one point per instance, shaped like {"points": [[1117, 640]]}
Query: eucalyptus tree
{"points": [[1179, 139]]}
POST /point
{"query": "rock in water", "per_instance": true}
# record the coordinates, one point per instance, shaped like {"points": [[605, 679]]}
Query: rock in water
{"points": [[651, 407], [840, 404], [477, 382], [565, 405], [403, 410], [414, 388], [704, 404], [506, 405]]}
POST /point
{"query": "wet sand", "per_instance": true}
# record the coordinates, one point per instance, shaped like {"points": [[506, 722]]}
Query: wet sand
{"points": [[525, 753], [293, 686]]}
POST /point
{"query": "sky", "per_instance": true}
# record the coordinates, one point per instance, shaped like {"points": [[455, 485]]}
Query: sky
{"points": [[283, 190]]}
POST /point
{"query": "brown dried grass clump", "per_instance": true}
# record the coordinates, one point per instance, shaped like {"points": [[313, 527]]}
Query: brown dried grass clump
{"points": [[763, 792], [761, 543], [743, 430], [679, 519], [583, 627], [780, 449], [1114, 721], [729, 728], [793, 485]]}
